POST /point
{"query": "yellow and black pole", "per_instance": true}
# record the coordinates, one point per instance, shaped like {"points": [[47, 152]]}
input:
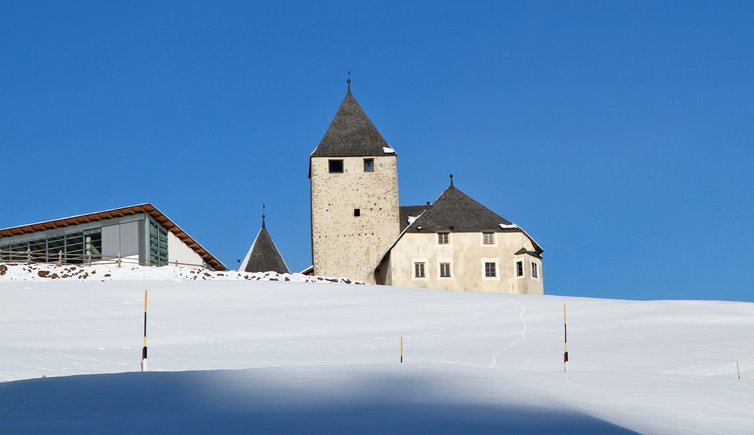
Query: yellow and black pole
{"points": [[565, 342], [144, 349], [401, 349]]}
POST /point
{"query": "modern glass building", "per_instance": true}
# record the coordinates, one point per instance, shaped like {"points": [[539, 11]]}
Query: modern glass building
{"points": [[136, 234]]}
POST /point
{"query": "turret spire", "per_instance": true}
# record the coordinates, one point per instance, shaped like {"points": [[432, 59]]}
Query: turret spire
{"points": [[451, 180], [263, 215], [348, 82]]}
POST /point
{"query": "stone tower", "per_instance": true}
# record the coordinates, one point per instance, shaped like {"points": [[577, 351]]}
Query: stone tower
{"points": [[354, 195]]}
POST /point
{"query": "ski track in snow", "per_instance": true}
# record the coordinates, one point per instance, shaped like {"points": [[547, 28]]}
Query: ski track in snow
{"points": [[515, 342]]}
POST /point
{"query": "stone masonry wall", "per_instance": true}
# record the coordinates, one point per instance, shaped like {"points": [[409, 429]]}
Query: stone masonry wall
{"points": [[344, 245]]}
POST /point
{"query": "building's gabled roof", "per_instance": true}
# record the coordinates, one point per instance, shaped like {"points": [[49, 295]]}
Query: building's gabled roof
{"points": [[408, 213], [455, 211], [352, 134], [213, 262], [263, 256]]}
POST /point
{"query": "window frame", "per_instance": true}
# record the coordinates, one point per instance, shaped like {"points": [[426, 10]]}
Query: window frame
{"points": [[371, 160], [356, 212], [523, 269], [496, 265], [535, 270], [494, 238], [420, 266], [440, 237], [440, 264], [425, 262], [330, 163]]}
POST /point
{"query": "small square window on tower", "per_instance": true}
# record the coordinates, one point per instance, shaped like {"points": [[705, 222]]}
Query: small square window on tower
{"points": [[368, 165], [335, 166], [357, 212]]}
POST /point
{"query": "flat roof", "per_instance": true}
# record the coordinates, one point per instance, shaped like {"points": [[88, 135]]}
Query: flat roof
{"points": [[116, 213]]}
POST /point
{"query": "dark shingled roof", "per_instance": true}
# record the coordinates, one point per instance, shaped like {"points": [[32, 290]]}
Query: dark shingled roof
{"points": [[409, 210], [263, 255], [456, 211], [351, 134]]}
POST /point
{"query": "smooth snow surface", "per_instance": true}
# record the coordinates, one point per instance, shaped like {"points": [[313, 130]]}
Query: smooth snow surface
{"points": [[301, 357]]}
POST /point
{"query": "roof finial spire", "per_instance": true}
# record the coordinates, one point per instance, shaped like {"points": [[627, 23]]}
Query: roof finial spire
{"points": [[451, 180], [348, 82], [263, 216]]}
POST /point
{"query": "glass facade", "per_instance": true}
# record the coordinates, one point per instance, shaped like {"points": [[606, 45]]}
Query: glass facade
{"points": [[158, 245], [73, 248]]}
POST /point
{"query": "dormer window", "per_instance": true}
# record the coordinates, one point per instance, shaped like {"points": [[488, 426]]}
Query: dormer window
{"points": [[335, 166], [368, 165]]}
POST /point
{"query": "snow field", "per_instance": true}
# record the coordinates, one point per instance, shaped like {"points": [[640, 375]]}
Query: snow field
{"points": [[299, 352]]}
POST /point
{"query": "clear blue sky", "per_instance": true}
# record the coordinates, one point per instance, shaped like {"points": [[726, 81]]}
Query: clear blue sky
{"points": [[619, 134]]}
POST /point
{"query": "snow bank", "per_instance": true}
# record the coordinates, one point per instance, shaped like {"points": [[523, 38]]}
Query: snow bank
{"points": [[37, 272]]}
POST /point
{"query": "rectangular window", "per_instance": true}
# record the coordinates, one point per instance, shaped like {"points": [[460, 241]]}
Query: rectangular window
{"points": [[490, 270], [335, 166], [442, 238], [488, 238], [419, 271], [519, 268], [368, 165], [444, 270], [357, 212], [158, 245], [534, 271]]}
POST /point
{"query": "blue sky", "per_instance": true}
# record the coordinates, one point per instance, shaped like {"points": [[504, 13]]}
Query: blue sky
{"points": [[619, 134]]}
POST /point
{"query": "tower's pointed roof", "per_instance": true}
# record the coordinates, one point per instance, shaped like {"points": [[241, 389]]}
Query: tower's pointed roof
{"points": [[352, 134], [263, 256]]}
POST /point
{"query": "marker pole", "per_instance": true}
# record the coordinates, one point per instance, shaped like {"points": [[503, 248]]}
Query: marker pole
{"points": [[565, 342], [144, 349], [738, 370], [401, 349]]}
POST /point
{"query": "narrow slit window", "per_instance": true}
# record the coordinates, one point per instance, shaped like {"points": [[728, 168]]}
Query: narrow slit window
{"points": [[519, 268], [357, 212], [534, 271]]}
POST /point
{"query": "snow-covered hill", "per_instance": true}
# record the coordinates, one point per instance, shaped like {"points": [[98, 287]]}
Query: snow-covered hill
{"points": [[238, 356]]}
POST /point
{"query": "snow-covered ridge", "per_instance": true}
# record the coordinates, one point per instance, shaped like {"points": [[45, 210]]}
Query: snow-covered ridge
{"points": [[44, 272]]}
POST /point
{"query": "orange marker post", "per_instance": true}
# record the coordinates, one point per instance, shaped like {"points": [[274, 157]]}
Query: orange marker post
{"points": [[401, 349]]}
